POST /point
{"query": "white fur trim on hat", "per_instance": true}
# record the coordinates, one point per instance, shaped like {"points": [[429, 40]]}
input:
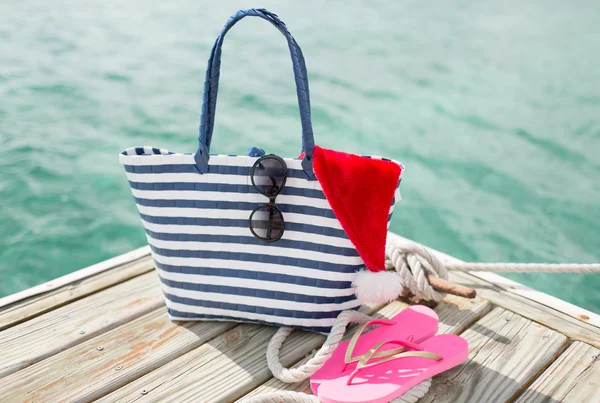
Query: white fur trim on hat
{"points": [[377, 287]]}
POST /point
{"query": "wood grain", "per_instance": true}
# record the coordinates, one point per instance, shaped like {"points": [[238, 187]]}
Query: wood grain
{"points": [[456, 314], [573, 377], [275, 385], [87, 372], [29, 307], [217, 371], [506, 352], [58, 330]]}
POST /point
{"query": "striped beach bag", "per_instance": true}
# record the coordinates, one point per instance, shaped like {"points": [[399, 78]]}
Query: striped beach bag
{"points": [[248, 238]]}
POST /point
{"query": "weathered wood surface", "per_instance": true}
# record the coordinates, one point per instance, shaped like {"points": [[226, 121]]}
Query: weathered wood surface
{"points": [[573, 377], [109, 361], [72, 324], [18, 310], [455, 314], [131, 351], [275, 385], [566, 308], [506, 352], [218, 371], [223, 369]]}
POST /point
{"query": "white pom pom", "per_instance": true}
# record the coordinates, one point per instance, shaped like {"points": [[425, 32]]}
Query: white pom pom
{"points": [[377, 287]]}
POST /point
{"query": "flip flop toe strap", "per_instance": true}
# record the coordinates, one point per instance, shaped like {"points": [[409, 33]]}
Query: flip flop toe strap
{"points": [[364, 362], [349, 358]]}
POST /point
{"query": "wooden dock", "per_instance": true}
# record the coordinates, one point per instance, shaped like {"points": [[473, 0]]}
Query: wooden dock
{"points": [[102, 333]]}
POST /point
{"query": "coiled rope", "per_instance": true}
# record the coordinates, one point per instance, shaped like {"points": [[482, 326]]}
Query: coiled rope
{"points": [[412, 263]]}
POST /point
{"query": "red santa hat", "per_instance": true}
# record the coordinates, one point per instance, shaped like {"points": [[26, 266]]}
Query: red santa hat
{"points": [[360, 191]]}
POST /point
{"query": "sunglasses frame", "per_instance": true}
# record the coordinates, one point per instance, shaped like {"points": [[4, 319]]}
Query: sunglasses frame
{"points": [[271, 204]]}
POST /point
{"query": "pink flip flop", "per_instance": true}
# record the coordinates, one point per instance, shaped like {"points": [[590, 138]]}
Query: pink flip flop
{"points": [[416, 323], [381, 381]]}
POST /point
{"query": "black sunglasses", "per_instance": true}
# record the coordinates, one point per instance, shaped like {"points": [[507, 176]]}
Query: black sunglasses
{"points": [[268, 176]]}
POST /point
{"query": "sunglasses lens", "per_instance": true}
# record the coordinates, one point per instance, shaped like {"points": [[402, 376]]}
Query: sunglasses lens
{"points": [[268, 175], [266, 223]]}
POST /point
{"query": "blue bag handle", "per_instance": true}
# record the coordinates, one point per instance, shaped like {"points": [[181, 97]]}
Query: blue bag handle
{"points": [[211, 86]]}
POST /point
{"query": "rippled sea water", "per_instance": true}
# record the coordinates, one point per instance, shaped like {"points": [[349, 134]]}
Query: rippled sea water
{"points": [[494, 108]]}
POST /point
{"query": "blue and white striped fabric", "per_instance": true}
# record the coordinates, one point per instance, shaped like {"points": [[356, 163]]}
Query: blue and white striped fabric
{"points": [[195, 209], [210, 265]]}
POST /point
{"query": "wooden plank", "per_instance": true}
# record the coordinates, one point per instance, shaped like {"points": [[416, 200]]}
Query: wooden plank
{"points": [[76, 276], [573, 377], [32, 341], [275, 385], [215, 371], [506, 352], [542, 314], [456, 314], [574, 311], [222, 370], [577, 324], [35, 301], [109, 361]]}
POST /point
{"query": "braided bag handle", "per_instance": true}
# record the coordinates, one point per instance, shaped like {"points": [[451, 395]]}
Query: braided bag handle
{"points": [[211, 86]]}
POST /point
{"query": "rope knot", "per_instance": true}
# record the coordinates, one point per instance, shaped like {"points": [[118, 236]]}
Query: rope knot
{"points": [[413, 263]]}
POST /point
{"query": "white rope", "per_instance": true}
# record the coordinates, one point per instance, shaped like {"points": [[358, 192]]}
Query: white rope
{"points": [[396, 250], [526, 267], [291, 375], [412, 262]]}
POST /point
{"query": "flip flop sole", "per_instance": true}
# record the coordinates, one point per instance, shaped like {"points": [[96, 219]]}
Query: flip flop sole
{"points": [[417, 321], [390, 380]]}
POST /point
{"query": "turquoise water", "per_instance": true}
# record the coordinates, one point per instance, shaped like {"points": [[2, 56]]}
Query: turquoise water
{"points": [[494, 108]]}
